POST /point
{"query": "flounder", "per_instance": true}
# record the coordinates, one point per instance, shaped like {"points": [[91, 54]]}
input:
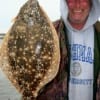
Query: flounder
{"points": [[30, 52]]}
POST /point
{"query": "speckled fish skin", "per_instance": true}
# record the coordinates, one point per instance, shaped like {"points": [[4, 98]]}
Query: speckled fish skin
{"points": [[30, 51]]}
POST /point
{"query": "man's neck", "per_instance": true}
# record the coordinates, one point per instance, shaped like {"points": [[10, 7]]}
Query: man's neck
{"points": [[77, 26]]}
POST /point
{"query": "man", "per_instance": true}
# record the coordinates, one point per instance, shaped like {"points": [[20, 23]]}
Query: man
{"points": [[79, 35]]}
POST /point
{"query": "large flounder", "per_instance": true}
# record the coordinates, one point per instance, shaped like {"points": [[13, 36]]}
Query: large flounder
{"points": [[30, 51]]}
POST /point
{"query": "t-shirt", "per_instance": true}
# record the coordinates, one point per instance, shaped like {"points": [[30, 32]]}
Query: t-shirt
{"points": [[81, 64]]}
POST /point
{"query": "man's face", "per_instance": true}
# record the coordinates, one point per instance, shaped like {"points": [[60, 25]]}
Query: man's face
{"points": [[78, 10]]}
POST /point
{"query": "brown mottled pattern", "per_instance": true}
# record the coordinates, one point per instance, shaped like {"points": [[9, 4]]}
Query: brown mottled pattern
{"points": [[31, 50]]}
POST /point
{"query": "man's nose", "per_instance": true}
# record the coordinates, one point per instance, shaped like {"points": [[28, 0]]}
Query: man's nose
{"points": [[77, 4]]}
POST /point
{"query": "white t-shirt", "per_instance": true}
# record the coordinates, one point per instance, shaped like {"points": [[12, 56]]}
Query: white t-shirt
{"points": [[81, 64]]}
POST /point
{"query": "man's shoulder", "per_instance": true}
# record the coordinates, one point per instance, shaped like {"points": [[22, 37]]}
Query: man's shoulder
{"points": [[57, 23], [97, 26]]}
